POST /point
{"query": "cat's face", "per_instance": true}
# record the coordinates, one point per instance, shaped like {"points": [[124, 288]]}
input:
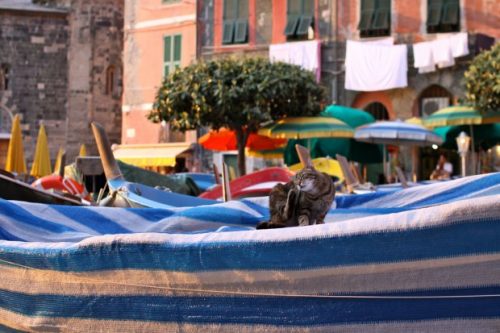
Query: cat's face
{"points": [[306, 179]]}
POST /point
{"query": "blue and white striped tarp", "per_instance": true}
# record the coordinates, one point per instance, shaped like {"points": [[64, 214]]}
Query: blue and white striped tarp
{"points": [[422, 259]]}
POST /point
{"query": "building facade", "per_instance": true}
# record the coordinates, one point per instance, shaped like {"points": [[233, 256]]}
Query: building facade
{"points": [[160, 35], [251, 27], [61, 64]]}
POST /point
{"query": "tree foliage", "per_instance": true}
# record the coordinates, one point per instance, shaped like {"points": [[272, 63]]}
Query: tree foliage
{"points": [[482, 80], [239, 94]]}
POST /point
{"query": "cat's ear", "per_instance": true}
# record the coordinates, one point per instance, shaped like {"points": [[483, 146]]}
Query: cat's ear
{"points": [[304, 156]]}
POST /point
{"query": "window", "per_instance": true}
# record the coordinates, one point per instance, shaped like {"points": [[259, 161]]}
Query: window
{"points": [[375, 18], [235, 25], [171, 53], [4, 77], [110, 80], [443, 15], [433, 98], [300, 18], [377, 110]]}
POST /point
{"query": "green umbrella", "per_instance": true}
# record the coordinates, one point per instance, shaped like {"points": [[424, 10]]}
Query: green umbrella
{"points": [[307, 127], [460, 115], [351, 149], [485, 136], [351, 116]]}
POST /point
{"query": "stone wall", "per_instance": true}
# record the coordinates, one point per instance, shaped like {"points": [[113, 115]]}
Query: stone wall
{"points": [[34, 47], [96, 44]]}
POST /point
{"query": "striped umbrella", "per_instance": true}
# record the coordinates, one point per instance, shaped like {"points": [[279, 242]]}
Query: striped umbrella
{"points": [[459, 115], [307, 127], [396, 133], [462, 115]]}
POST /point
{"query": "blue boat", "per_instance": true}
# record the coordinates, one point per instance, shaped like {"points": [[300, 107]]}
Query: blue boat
{"points": [[129, 194]]}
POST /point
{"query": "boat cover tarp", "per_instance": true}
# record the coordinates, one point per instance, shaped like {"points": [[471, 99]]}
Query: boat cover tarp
{"points": [[423, 259]]}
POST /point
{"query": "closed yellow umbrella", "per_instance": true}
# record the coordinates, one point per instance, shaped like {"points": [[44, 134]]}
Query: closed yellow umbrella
{"points": [[15, 154], [41, 163], [83, 150], [57, 164]]}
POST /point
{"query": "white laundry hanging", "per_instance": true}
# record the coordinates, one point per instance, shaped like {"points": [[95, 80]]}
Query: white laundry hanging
{"points": [[372, 66], [304, 54]]}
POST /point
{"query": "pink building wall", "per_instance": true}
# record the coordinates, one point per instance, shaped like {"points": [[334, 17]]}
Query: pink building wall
{"points": [[146, 24]]}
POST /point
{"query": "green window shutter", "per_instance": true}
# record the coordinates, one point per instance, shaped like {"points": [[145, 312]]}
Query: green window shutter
{"points": [[228, 31], [166, 70], [294, 7], [308, 7], [291, 25], [451, 11], [230, 9], [167, 48], [434, 11], [304, 23], [242, 10], [382, 15], [367, 14], [241, 31], [177, 47]]}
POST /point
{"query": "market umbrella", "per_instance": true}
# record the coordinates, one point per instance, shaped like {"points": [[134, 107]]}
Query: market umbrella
{"points": [[267, 153], [83, 150], [327, 165], [225, 139], [57, 164], [15, 153], [307, 128], [396, 133], [461, 115], [41, 162], [350, 148], [484, 136], [351, 116]]}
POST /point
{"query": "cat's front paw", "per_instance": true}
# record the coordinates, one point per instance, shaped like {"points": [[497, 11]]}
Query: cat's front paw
{"points": [[303, 220]]}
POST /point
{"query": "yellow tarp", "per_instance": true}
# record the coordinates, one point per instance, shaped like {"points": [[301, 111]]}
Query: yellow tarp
{"points": [[152, 155]]}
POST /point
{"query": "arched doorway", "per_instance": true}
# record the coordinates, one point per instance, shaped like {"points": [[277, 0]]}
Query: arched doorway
{"points": [[377, 110]]}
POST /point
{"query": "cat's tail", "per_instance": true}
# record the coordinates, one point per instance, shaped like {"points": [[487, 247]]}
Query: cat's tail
{"points": [[269, 225]]}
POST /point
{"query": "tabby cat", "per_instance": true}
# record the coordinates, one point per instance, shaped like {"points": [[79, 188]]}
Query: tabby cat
{"points": [[305, 200]]}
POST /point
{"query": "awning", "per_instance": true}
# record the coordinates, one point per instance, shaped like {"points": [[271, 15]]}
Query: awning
{"points": [[148, 155]]}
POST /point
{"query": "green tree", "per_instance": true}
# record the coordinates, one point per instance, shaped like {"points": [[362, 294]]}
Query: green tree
{"points": [[482, 80], [238, 94]]}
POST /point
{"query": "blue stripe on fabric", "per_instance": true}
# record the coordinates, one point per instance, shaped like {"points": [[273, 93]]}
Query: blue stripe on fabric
{"points": [[92, 220], [459, 191], [150, 214], [458, 239], [225, 215], [286, 311], [5, 329], [25, 217], [264, 211], [471, 291], [347, 201]]}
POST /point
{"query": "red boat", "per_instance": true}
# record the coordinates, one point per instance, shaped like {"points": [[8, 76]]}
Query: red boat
{"points": [[258, 183]]}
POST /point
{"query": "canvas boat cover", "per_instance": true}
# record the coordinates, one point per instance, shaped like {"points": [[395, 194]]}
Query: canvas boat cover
{"points": [[422, 259]]}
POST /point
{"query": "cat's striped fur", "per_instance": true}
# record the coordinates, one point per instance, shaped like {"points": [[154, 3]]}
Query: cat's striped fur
{"points": [[305, 200]]}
